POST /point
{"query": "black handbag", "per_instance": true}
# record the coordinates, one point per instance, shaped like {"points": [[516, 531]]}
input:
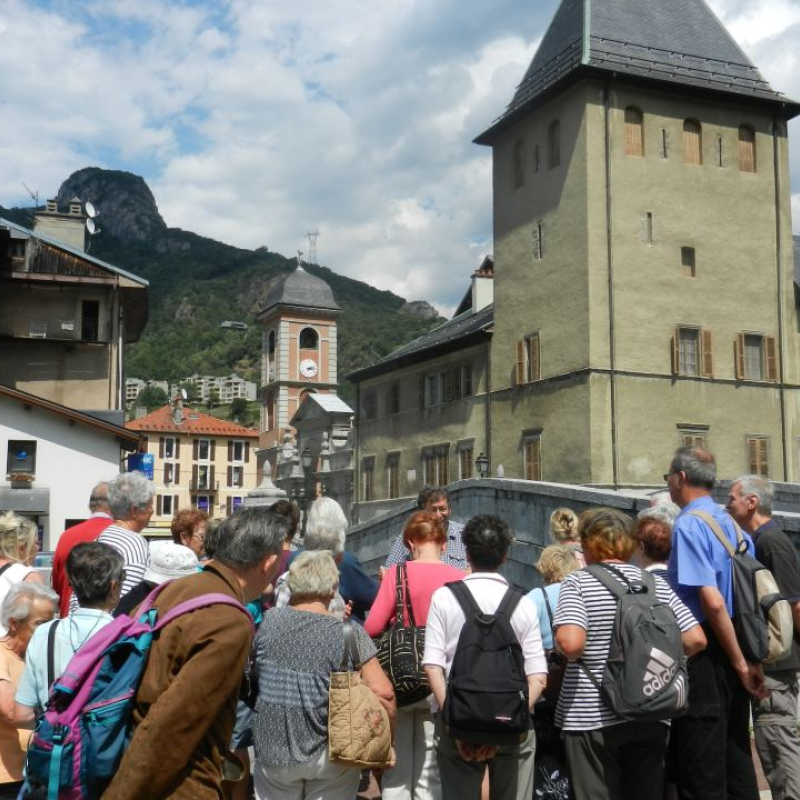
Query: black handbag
{"points": [[400, 649]]}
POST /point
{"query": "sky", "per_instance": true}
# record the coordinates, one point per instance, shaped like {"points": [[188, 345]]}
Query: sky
{"points": [[257, 121]]}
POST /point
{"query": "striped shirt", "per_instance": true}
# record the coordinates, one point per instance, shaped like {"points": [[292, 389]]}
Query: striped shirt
{"points": [[585, 602], [134, 551]]}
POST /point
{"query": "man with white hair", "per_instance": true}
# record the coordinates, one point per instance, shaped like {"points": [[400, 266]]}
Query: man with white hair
{"points": [[774, 719]]}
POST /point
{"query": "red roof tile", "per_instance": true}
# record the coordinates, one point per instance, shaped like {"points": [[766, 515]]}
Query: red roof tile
{"points": [[162, 419]]}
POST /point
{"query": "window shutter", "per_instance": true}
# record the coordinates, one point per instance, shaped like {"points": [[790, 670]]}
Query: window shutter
{"points": [[166, 476], [676, 355], [229, 506], [159, 505], [177, 474], [195, 449], [211, 484], [771, 352], [708, 364], [230, 449], [161, 447], [520, 362], [213, 450], [738, 356], [195, 471], [177, 448], [448, 385], [422, 392], [246, 448], [230, 476], [536, 370]]}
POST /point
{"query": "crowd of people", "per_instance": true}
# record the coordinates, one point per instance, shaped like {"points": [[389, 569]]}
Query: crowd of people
{"points": [[221, 686]]}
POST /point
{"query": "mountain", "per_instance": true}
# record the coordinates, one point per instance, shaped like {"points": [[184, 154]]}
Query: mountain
{"points": [[196, 283]]}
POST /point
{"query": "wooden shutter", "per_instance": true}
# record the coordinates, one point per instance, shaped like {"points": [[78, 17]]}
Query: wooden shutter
{"points": [[229, 506], [195, 449], [195, 471], [708, 363], [676, 352], [177, 448], [520, 362], [230, 449], [159, 505], [747, 149], [533, 467], [161, 447], [166, 477], [230, 476], [692, 142], [534, 358], [634, 137], [422, 392], [246, 448], [759, 456], [738, 356], [211, 484], [177, 474], [213, 450], [771, 358]]}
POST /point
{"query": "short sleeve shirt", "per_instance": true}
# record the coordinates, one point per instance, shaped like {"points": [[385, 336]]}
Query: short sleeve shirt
{"points": [[587, 603], [537, 596], [699, 559]]}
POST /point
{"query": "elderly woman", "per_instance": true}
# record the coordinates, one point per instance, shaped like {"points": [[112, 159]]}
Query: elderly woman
{"points": [[18, 547], [653, 534], [25, 607], [296, 649], [555, 563], [564, 530], [96, 573], [189, 529], [416, 774], [608, 757]]}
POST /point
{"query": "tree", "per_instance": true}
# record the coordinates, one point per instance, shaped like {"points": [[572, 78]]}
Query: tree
{"points": [[152, 397], [239, 408]]}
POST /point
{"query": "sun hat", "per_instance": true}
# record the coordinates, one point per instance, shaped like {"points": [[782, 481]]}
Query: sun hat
{"points": [[169, 560]]}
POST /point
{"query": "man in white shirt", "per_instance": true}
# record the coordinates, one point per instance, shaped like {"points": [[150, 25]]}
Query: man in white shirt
{"points": [[461, 764]]}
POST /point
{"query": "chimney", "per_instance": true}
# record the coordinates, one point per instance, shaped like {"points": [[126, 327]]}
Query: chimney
{"points": [[67, 227], [177, 410], [483, 285], [75, 207]]}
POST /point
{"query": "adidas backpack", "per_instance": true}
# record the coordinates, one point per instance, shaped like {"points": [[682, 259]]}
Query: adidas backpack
{"points": [[79, 742], [645, 675], [487, 690], [762, 615]]}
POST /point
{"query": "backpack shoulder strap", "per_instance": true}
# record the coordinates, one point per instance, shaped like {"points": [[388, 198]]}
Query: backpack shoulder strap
{"points": [[719, 533], [51, 654], [509, 602], [602, 575], [464, 597], [202, 601]]}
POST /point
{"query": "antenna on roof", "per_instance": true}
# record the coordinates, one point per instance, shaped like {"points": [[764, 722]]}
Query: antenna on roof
{"points": [[35, 198], [312, 247]]}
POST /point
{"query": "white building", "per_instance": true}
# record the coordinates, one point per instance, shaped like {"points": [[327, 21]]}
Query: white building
{"points": [[54, 456]]}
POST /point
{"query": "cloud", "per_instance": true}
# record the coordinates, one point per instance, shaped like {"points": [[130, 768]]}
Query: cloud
{"points": [[256, 122]]}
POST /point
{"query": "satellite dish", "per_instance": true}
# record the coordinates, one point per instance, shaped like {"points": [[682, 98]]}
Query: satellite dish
{"points": [[91, 226], [184, 394], [91, 211]]}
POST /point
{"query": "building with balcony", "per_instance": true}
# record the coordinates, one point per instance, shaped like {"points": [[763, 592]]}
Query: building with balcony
{"points": [[199, 461], [65, 316]]}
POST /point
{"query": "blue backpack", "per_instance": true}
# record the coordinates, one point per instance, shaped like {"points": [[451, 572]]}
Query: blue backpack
{"points": [[79, 742]]}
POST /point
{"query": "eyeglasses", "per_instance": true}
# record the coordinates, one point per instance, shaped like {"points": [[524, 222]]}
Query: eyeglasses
{"points": [[667, 476]]}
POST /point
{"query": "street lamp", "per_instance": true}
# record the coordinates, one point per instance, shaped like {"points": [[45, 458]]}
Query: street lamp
{"points": [[482, 463]]}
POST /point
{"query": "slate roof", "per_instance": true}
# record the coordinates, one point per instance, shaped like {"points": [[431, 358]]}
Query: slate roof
{"points": [[299, 288], [460, 331], [671, 41], [162, 419]]}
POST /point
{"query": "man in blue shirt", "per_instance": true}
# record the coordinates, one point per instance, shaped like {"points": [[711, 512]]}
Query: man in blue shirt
{"points": [[711, 743]]}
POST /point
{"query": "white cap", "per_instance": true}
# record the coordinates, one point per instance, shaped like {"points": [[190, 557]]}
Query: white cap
{"points": [[169, 560]]}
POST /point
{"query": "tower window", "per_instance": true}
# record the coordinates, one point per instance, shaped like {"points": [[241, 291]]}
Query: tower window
{"points": [[553, 144], [692, 142], [688, 262], [309, 339], [747, 149], [634, 132]]}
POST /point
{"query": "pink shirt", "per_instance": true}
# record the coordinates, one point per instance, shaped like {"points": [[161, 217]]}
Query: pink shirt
{"points": [[424, 578]]}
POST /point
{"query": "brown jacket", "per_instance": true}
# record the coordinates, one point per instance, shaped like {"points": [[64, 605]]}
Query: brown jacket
{"points": [[186, 704]]}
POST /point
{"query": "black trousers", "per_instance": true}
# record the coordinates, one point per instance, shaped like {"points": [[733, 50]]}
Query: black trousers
{"points": [[710, 744]]}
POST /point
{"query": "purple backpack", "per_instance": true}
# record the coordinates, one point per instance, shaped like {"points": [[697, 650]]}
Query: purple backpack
{"points": [[79, 742]]}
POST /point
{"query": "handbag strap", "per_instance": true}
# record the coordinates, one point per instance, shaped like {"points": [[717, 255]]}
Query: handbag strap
{"points": [[51, 655], [350, 654], [398, 595], [411, 621], [549, 607]]}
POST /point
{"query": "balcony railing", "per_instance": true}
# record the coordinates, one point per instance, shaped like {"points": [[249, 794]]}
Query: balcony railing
{"points": [[27, 326], [204, 486]]}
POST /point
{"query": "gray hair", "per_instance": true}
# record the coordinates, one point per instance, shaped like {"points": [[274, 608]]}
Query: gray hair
{"points": [[249, 535], [20, 598], [665, 512], [699, 466], [758, 487], [312, 575], [129, 492], [660, 498], [98, 500], [326, 526]]}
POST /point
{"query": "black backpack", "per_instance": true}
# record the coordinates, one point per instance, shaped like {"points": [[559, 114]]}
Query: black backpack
{"points": [[645, 676], [487, 691]]}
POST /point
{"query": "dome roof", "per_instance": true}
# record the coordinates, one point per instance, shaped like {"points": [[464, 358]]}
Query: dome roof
{"points": [[299, 288]]}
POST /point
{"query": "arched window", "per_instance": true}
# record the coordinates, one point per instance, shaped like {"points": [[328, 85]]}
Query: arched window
{"points": [[553, 144], [634, 132], [692, 142], [747, 149], [309, 339], [519, 164]]}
